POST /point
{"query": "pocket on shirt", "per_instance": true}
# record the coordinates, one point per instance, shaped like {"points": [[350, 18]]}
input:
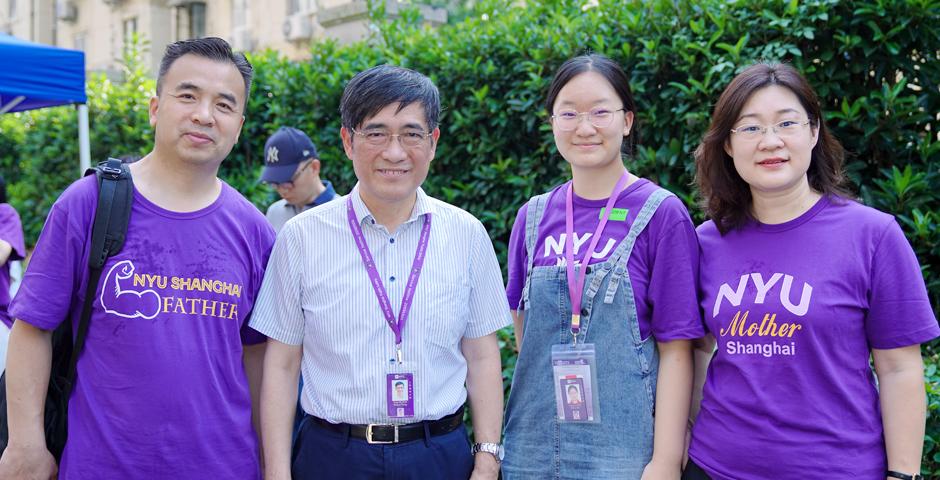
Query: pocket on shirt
{"points": [[446, 313]]}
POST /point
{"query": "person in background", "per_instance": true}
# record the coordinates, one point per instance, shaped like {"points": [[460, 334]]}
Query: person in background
{"points": [[12, 249], [292, 168]]}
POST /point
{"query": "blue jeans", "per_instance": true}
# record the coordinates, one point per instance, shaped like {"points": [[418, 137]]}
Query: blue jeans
{"points": [[299, 414]]}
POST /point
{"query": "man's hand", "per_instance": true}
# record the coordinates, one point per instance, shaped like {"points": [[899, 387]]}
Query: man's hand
{"points": [[27, 463], [485, 392], [278, 404], [485, 467]]}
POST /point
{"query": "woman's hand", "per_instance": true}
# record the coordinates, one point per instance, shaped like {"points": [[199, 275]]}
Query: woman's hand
{"points": [[661, 470]]}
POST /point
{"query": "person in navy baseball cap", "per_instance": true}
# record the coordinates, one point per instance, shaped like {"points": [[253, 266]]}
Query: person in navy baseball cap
{"points": [[284, 152], [292, 168]]}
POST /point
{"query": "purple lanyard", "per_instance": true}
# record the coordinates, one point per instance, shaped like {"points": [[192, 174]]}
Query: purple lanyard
{"points": [[376, 281], [576, 281]]}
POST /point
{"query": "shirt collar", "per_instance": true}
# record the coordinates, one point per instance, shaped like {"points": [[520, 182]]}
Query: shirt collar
{"points": [[363, 215], [325, 196]]}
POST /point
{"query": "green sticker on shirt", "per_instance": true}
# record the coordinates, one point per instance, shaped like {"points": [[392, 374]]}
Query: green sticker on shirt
{"points": [[616, 214]]}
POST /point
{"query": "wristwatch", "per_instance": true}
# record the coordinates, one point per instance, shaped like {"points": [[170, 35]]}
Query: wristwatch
{"points": [[494, 449], [904, 476]]}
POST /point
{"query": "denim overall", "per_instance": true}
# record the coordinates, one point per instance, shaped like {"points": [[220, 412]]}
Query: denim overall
{"points": [[538, 445]]}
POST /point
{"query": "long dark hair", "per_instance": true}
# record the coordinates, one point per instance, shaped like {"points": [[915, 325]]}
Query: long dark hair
{"points": [[726, 197], [615, 76]]}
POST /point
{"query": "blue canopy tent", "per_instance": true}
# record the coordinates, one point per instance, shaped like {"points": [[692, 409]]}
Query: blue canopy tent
{"points": [[38, 76]]}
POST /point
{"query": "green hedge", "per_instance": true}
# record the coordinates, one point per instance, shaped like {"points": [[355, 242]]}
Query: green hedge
{"points": [[876, 64]]}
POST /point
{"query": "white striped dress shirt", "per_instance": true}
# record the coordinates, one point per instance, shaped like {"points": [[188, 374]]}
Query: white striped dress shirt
{"points": [[316, 292]]}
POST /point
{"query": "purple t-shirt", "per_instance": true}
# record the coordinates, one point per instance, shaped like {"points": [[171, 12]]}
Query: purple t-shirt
{"points": [[161, 390], [663, 266], [11, 231], [795, 308]]}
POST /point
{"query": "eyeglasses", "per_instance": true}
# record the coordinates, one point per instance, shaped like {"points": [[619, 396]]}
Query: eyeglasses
{"points": [[380, 138], [290, 183], [785, 128], [567, 120]]}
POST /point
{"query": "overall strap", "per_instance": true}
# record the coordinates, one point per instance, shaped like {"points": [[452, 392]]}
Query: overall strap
{"points": [[621, 256], [533, 217]]}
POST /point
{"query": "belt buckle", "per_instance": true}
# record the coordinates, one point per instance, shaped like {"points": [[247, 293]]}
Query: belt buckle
{"points": [[372, 441]]}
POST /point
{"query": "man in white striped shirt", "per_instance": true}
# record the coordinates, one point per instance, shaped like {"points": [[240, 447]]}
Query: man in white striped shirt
{"points": [[388, 301]]}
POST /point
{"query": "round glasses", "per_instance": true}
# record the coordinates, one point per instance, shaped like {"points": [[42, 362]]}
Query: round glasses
{"points": [[568, 120], [378, 137], [754, 131]]}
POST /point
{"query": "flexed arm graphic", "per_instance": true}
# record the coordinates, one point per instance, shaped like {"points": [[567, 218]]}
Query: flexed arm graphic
{"points": [[127, 303]]}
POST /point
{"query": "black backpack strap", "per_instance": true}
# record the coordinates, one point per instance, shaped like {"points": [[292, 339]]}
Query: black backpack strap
{"points": [[115, 196]]}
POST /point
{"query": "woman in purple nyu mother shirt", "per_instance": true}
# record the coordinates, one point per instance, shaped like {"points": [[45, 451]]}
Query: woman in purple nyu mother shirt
{"points": [[800, 286]]}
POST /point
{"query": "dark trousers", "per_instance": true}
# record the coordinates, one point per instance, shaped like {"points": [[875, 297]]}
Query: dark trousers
{"points": [[299, 414], [320, 453], [694, 472]]}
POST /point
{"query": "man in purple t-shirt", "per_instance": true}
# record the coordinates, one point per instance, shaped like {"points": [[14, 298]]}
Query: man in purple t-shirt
{"points": [[163, 384]]}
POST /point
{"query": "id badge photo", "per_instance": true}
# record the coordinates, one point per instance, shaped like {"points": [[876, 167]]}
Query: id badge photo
{"points": [[400, 392], [575, 378]]}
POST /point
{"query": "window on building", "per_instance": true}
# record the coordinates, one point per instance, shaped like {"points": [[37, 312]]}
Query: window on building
{"points": [[239, 13], [293, 6], [197, 19], [301, 6], [130, 31], [190, 20]]}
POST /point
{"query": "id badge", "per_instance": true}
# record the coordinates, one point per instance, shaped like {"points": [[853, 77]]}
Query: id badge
{"points": [[400, 393], [574, 374]]}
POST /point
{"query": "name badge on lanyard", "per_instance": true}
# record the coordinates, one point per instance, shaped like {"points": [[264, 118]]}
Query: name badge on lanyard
{"points": [[400, 393], [574, 366], [399, 379], [574, 374]]}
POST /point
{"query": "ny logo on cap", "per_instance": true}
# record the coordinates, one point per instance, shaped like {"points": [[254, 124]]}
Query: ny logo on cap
{"points": [[272, 155]]}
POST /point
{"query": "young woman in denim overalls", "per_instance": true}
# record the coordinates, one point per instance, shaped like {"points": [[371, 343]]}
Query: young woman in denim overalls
{"points": [[637, 311]]}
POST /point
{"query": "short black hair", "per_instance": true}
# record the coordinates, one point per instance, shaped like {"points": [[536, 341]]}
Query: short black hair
{"points": [[378, 87], [611, 71], [213, 48]]}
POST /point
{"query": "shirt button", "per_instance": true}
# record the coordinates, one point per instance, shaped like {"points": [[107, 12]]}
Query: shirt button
{"points": [[391, 279], [584, 312], [391, 240]]}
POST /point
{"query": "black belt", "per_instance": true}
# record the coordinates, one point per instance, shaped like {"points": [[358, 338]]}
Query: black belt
{"points": [[383, 433]]}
